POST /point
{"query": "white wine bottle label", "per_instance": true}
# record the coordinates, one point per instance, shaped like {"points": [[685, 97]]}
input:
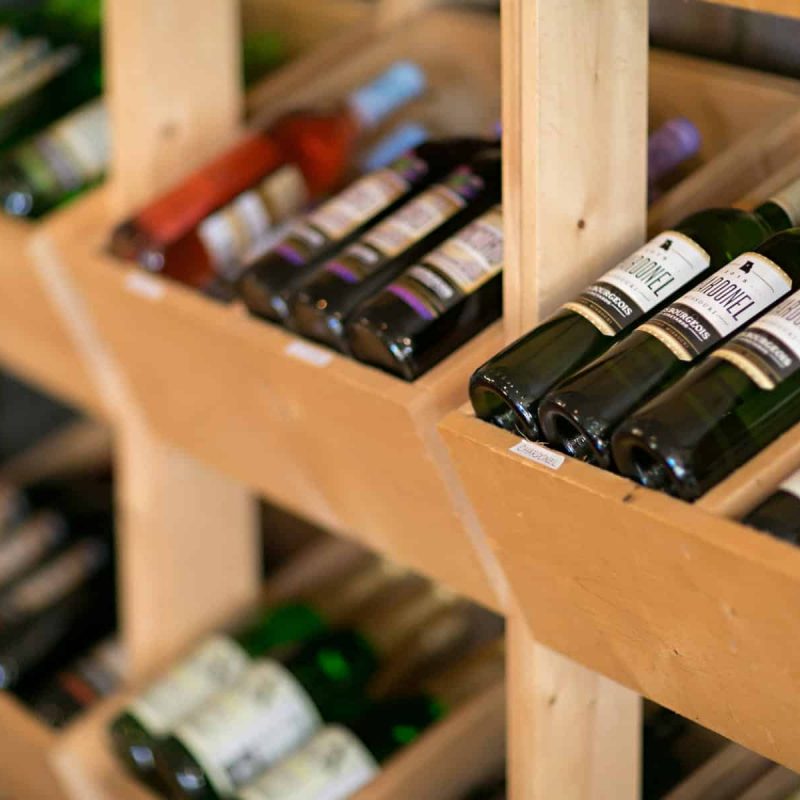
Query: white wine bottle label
{"points": [[357, 204], [719, 306], [82, 139], [633, 288], [250, 727], [231, 233], [30, 543], [215, 665], [768, 351], [457, 268], [333, 766], [792, 484]]}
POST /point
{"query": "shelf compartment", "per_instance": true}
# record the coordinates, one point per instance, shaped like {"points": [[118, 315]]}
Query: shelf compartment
{"points": [[670, 599], [352, 448], [33, 339]]}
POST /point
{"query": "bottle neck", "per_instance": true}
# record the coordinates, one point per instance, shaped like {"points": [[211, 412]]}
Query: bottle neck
{"points": [[782, 210]]}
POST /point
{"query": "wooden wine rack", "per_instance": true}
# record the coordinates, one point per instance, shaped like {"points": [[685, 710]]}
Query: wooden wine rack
{"points": [[610, 591]]}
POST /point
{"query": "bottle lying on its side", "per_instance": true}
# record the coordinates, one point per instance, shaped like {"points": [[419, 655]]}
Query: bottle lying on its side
{"points": [[507, 389], [728, 408], [779, 514]]}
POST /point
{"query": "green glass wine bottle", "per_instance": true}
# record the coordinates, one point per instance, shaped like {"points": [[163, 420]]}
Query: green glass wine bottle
{"points": [[779, 514], [277, 705], [320, 308], [507, 389], [339, 761], [581, 414], [220, 660], [727, 409], [436, 305]]}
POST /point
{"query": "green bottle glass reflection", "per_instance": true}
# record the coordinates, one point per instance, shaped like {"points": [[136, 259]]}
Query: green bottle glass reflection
{"points": [[338, 761], [728, 408], [220, 660], [581, 414], [507, 389], [279, 704]]}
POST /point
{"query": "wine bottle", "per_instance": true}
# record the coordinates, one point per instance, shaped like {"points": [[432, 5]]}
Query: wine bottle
{"points": [[57, 164], [269, 281], [220, 660], [340, 760], [673, 143], [218, 246], [30, 543], [581, 414], [321, 145], [779, 514], [278, 705], [322, 305], [494, 790], [434, 306], [59, 698], [13, 508], [725, 410], [507, 389], [58, 611]]}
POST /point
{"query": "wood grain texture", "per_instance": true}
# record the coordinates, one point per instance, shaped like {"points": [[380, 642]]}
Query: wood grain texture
{"points": [[575, 115], [172, 107], [666, 598]]}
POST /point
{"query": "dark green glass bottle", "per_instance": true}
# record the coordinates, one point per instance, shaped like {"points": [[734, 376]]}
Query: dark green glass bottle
{"points": [[322, 305], [436, 305], [779, 514], [268, 283], [507, 389], [277, 706], [581, 414], [725, 410], [219, 661], [338, 761]]}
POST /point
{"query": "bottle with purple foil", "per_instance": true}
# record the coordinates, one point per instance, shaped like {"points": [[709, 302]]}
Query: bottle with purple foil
{"points": [[271, 278], [323, 305], [669, 146], [435, 305]]}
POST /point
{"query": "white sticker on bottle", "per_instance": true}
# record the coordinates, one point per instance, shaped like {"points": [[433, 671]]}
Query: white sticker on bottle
{"points": [[474, 255], [719, 306], [415, 220], [357, 204], [251, 726], [633, 288], [333, 766], [789, 200], [84, 138], [538, 453], [768, 351], [215, 665]]}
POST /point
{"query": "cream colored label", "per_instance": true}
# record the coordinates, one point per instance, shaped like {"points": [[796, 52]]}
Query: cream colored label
{"points": [[231, 233], [474, 255], [719, 306], [250, 727], [357, 204], [84, 139], [215, 665], [415, 220], [789, 200], [334, 765]]}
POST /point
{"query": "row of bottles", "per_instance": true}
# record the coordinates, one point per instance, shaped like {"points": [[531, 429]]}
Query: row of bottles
{"points": [[307, 696], [677, 365], [57, 598]]}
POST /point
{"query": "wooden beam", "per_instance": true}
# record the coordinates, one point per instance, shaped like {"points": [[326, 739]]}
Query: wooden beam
{"points": [[786, 8]]}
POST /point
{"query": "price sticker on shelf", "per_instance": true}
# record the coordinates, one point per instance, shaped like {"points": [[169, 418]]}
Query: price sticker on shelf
{"points": [[536, 452], [144, 285], [303, 351]]}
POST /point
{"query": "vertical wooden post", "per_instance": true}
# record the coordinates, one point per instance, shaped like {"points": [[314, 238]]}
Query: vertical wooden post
{"points": [[187, 541], [575, 124]]}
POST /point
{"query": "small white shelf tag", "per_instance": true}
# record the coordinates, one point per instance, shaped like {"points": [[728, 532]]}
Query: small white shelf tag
{"points": [[303, 351], [144, 285], [536, 452]]}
